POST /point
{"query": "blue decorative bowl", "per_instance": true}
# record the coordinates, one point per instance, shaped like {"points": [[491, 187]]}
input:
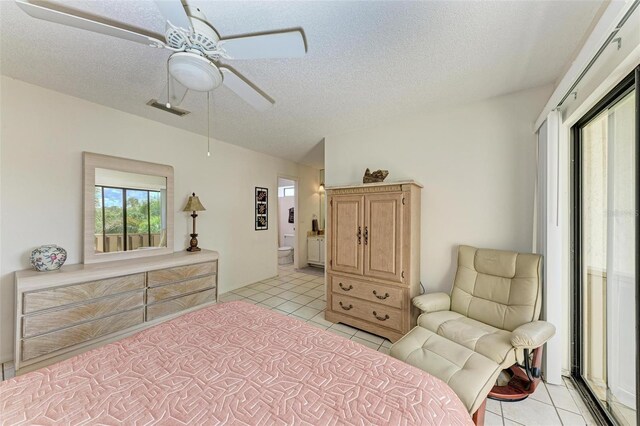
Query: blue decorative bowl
{"points": [[48, 258]]}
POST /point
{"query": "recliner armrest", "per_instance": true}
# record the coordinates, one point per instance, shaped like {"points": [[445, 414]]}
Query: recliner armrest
{"points": [[532, 335], [432, 302]]}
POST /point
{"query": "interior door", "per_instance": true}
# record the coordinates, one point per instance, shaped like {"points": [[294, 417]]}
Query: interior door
{"points": [[347, 213], [383, 236]]}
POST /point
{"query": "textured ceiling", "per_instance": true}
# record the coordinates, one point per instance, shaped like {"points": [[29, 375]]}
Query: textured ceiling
{"points": [[366, 61]]}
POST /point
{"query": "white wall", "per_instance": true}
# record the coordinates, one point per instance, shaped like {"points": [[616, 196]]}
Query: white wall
{"points": [[3, 311], [477, 165], [42, 138]]}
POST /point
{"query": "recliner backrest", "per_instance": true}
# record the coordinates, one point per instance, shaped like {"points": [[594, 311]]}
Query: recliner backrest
{"points": [[499, 288]]}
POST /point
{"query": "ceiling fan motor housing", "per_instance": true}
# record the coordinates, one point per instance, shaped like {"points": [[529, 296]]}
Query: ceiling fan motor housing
{"points": [[203, 37], [195, 72]]}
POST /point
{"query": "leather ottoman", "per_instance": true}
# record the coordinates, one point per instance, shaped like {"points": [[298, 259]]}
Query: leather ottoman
{"points": [[469, 374]]}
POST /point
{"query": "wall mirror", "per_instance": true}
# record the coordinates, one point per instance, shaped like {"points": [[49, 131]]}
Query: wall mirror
{"points": [[128, 208]]}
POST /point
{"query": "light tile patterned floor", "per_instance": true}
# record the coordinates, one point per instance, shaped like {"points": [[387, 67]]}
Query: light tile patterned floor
{"points": [[301, 294]]}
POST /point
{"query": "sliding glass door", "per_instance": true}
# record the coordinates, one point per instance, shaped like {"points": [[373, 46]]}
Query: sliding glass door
{"points": [[605, 317]]}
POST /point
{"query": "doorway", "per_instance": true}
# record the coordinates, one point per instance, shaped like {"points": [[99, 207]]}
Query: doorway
{"points": [[287, 222], [606, 148]]}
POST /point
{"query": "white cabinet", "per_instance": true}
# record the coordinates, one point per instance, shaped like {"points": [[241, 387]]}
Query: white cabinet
{"points": [[315, 250]]}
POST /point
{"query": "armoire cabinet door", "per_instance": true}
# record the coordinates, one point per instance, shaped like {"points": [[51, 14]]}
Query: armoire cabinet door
{"points": [[347, 213], [383, 236]]}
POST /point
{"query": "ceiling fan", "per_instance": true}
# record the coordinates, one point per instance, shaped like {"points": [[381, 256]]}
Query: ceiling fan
{"points": [[198, 51]]}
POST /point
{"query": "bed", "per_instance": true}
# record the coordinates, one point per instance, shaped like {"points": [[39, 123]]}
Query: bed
{"points": [[232, 363]]}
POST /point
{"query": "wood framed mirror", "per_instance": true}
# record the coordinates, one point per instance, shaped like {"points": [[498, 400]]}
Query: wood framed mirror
{"points": [[128, 208]]}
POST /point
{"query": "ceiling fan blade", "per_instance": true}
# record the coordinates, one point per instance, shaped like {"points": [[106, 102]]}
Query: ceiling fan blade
{"points": [[245, 89], [277, 44], [52, 15], [174, 12]]}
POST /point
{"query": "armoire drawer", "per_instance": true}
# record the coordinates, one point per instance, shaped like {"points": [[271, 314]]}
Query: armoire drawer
{"points": [[65, 295], [55, 319], [165, 276], [172, 306], [378, 293], [50, 342], [374, 313], [168, 291]]}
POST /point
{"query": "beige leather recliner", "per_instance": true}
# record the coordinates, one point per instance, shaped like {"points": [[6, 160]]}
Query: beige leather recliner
{"points": [[487, 323]]}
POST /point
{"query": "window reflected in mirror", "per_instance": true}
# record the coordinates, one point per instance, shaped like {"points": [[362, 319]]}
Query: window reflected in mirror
{"points": [[130, 211]]}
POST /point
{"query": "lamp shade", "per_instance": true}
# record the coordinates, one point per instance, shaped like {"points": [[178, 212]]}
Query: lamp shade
{"points": [[193, 204]]}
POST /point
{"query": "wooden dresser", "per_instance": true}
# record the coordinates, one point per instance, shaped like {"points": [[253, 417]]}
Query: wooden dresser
{"points": [[374, 256], [62, 313]]}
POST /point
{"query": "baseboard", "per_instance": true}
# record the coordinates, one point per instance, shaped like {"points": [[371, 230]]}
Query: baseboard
{"points": [[8, 370]]}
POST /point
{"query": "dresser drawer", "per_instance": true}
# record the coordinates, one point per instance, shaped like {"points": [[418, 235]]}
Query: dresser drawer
{"points": [[166, 276], [172, 306], [378, 293], [156, 294], [60, 296], [50, 342], [374, 313], [52, 320]]}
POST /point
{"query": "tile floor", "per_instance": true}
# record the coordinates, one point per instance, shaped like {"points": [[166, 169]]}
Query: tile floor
{"points": [[300, 293]]}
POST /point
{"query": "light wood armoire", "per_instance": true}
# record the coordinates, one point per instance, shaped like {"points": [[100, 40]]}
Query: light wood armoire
{"points": [[373, 250]]}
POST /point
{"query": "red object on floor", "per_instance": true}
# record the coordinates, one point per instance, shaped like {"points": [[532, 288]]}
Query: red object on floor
{"points": [[478, 416], [520, 386]]}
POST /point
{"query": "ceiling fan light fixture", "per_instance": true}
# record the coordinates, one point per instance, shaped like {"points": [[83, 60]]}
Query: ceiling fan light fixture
{"points": [[194, 71]]}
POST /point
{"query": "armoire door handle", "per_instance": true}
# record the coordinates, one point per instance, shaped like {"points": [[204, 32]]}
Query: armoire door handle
{"points": [[359, 235], [366, 235]]}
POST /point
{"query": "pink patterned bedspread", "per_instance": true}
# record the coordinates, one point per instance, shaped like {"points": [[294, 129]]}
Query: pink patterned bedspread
{"points": [[233, 363]]}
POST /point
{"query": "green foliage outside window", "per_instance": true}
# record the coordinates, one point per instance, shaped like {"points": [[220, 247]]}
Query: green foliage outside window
{"points": [[144, 211]]}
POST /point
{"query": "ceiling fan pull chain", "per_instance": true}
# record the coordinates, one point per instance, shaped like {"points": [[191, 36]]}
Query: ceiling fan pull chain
{"points": [[208, 125], [168, 85]]}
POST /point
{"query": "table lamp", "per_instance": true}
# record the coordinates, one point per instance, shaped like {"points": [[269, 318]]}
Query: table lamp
{"points": [[194, 205]]}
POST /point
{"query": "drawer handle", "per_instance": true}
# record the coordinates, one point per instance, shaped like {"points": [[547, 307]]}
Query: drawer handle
{"points": [[386, 317], [345, 288], [380, 297], [346, 308]]}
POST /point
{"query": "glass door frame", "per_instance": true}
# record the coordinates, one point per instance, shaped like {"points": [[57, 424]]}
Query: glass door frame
{"points": [[627, 85]]}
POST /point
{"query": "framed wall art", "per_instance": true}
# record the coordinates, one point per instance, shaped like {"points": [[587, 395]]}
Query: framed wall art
{"points": [[262, 209]]}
